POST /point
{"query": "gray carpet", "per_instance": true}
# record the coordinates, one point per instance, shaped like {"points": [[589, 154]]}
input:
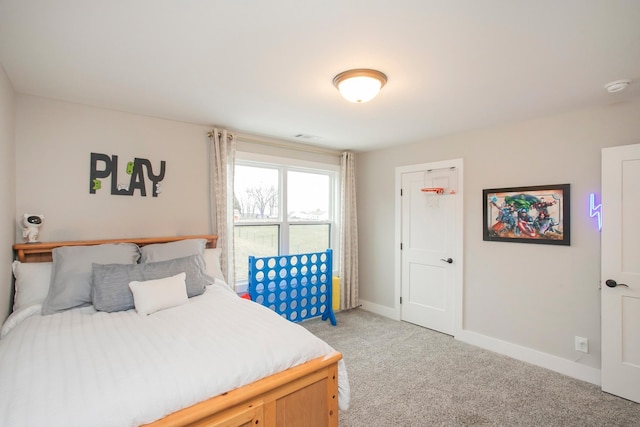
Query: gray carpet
{"points": [[404, 375]]}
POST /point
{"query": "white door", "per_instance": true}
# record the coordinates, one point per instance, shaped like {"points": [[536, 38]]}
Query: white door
{"points": [[620, 252], [428, 242]]}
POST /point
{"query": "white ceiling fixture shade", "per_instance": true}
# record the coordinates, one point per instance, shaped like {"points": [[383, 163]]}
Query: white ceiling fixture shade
{"points": [[359, 85]]}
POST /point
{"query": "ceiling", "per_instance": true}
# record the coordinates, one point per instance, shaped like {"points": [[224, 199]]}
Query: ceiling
{"points": [[266, 67]]}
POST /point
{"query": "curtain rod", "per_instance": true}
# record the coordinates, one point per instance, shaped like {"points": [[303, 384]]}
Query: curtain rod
{"points": [[229, 135], [272, 143], [292, 146]]}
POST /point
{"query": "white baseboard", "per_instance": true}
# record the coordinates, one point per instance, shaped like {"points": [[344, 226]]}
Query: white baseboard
{"points": [[535, 357], [382, 310]]}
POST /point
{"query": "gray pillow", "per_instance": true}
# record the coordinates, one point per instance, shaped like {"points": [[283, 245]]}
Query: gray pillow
{"points": [[72, 270], [167, 251], [111, 290]]}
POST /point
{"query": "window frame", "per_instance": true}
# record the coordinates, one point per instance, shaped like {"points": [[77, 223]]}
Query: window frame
{"points": [[283, 165]]}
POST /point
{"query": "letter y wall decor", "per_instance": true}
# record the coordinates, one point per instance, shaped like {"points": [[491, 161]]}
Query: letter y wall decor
{"points": [[103, 166]]}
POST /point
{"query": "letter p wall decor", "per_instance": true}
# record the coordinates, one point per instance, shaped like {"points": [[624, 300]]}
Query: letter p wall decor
{"points": [[103, 166]]}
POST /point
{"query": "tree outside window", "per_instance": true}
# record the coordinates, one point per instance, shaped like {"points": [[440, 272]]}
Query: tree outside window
{"points": [[262, 193]]}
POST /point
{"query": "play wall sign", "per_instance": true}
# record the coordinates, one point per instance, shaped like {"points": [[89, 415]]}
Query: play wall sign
{"points": [[103, 166]]}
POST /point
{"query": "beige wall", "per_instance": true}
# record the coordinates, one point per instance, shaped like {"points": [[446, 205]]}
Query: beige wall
{"points": [[506, 296], [535, 296], [50, 174], [53, 144], [271, 147], [7, 189]]}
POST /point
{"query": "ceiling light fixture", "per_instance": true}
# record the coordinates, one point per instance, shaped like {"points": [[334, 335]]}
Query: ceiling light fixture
{"points": [[359, 85], [617, 86]]}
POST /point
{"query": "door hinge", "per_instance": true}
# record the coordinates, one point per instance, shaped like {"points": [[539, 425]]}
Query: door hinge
{"points": [[401, 192], [400, 246], [400, 300]]}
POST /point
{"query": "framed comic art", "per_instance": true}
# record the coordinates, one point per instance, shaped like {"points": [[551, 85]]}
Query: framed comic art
{"points": [[536, 214]]}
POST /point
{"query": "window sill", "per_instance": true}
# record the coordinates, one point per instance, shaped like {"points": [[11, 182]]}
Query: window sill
{"points": [[241, 287]]}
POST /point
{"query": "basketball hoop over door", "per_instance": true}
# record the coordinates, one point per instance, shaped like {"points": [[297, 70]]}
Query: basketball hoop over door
{"points": [[439, 183], [432, 195]]}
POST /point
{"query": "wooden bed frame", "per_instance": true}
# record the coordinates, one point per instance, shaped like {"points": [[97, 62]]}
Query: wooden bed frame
{"points": [[305, 395]]}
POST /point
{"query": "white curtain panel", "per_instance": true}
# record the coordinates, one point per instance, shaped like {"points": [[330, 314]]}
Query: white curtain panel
{"points": [[349, 234], [222, 157]]}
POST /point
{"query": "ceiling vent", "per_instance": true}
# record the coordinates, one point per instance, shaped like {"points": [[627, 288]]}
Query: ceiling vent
{"points": [[617, 86], [307, 137]]}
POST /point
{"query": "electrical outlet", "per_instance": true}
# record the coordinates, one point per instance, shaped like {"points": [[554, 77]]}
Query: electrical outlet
{"points": [[582, 344]]}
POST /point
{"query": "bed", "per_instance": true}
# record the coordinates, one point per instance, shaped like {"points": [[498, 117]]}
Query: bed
{"points": [[212, 359]]}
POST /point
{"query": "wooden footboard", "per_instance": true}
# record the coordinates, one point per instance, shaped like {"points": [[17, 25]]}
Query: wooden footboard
{"points": [[306, 395]]}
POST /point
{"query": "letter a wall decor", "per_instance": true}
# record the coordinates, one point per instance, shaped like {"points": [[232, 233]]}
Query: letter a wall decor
{"points": [[104, 166]]}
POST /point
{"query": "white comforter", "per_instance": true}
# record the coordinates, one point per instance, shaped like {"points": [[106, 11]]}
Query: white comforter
{"points": [[87, 368]]}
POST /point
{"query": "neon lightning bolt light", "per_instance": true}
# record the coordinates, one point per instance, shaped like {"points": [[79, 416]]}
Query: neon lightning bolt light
{"points": [[595, 210]]}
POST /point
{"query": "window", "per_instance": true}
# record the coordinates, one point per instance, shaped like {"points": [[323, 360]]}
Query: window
{"points": [[282, 206]]}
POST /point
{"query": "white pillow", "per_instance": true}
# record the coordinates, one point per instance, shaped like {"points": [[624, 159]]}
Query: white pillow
{"points": [[155, 295], [32, 283], [212, 262]]}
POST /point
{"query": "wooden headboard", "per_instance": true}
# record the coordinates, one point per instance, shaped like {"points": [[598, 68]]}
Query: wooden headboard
{"points": [[42, 252]]}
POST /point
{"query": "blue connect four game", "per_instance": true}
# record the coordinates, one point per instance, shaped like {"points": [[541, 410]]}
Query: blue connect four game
{"points": [[297, 287]]}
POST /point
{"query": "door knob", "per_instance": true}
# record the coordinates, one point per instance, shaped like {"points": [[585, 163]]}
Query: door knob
{"points": [[612, 283], [449, 260]]}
